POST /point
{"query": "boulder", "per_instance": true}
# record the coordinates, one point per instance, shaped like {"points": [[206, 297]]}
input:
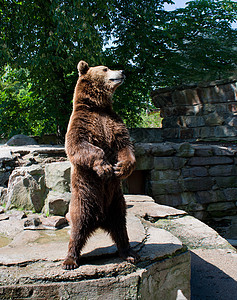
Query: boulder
{"points": [[35, 222], [3, 195], [4, 176], [26, 188], [57, 176], [57, 203], [21, 140]]}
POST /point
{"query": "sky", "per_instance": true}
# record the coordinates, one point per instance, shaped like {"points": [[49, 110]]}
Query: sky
{"points": [[178, 4], [181, 4]]}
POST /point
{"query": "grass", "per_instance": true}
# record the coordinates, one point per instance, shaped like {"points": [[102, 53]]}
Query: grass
{"points": [[150, 119]]}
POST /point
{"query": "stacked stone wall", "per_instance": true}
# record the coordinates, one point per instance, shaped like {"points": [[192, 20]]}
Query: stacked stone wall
{"points": [[206, 112], [201, 179]]}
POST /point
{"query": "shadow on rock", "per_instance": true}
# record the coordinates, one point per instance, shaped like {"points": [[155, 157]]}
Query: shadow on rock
{"points": [[209, 282]]}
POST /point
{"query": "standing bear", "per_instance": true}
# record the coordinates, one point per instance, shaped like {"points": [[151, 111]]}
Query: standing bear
{"points": [[101, 154]]}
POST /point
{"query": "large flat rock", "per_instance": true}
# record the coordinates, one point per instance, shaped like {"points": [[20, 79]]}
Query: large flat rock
{"points": [[30, 263], [7, 150], [30, 246]]}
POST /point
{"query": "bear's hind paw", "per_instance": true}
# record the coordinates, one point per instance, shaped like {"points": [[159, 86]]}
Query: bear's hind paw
{"points": [[70, 264], [130, 255]]}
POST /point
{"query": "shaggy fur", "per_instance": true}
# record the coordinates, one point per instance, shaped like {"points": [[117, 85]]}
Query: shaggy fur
{"points": [[101, 154]]}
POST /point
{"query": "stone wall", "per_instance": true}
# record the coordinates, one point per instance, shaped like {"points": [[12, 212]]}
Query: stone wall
{"points": [[201, 179], [206, 112]]}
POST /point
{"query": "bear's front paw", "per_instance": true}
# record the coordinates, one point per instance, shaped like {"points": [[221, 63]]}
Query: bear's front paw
{"points": [[103, 170], [123, 169]]}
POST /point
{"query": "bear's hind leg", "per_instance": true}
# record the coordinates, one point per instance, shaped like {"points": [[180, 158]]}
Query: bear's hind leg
{"points": [[120, 237], [115, 224], [78, 238], [82, 226]]}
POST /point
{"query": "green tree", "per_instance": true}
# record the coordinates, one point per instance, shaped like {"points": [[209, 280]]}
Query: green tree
{"points": [[21, 111], [48, 37], [202, 41], [156, 48]]}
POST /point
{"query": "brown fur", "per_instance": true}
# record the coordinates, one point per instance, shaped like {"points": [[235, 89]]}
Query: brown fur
{"points": [[101, 154]]}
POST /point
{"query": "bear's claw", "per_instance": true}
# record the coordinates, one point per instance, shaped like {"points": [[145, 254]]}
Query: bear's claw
{"points": [[70, 264], [103, 170], [123, 169], [129, 255]]}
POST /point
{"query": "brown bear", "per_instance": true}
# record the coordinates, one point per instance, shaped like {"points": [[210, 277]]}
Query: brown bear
{"points": [[101, 154]]}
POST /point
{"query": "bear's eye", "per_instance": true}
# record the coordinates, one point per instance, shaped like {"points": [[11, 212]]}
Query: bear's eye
{"points": [[105, 69]]}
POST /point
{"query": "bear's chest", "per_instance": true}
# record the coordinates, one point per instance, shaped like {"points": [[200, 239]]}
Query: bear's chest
{"points": [[105, 130]]}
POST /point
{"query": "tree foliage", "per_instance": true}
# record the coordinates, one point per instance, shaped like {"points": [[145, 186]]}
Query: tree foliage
{"points": [[202, 41], [21, 111], [156, 48]]}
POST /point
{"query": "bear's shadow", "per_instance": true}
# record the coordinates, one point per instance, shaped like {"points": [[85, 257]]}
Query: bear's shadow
{"points": [[149, 252]]}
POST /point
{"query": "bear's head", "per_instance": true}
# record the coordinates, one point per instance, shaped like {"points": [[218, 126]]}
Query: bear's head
{"points": [[101, 77]]}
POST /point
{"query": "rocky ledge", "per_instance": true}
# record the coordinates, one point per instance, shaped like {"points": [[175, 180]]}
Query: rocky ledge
{"points": [[32, 248], [31, 256]]}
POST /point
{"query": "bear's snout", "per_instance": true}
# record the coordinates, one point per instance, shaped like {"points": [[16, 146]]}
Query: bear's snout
{"points": [[117, 76]]}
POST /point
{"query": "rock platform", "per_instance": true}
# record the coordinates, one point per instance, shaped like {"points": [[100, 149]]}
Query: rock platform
{"points": [[30, 260]]}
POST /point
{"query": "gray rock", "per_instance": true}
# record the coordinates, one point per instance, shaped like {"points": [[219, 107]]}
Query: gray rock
{"points": [[187, 198], [232, 121], [163, 163], [32, 223], [221, 209], [178, 162], [150, 210], [16, 214], [174, 200], [146, 135], [213, 119], [4, 176], [166, 187], [225, 131], [21, 140], [210, 196], [226, 182], [138, 198], [3, 195], [194, 172], [223, 151], [5, 154], [193, 121], [144, 162], [198, 184], [57, 176], [53, 222], [27, 188], [4, 217], [57, 203], [24, 238], [40, 222], [223, 170], [164, 174], [185, 150], [203, 150], [230, 194], [162, 149], [203, 161], [142, 149]]}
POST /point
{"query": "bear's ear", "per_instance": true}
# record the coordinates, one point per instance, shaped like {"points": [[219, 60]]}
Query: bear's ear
{"points": [[82, 67]]}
